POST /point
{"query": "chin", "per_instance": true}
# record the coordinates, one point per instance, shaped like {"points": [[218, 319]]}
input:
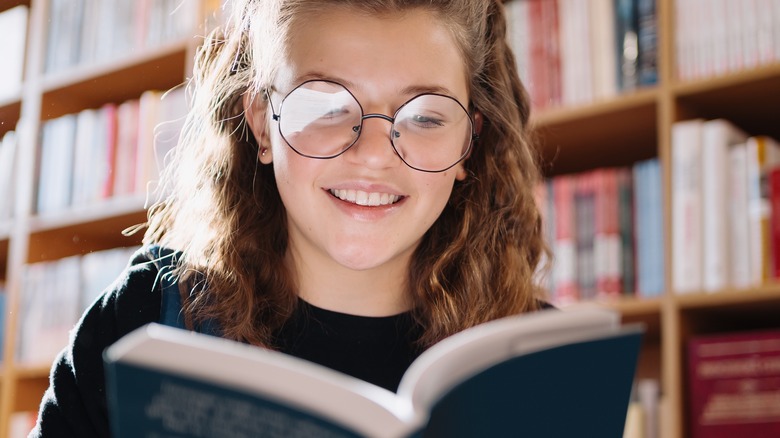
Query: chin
{"points": [[365, 260]]}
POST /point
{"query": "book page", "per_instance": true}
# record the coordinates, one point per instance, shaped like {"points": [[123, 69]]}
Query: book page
{"points": [[465, 354]]}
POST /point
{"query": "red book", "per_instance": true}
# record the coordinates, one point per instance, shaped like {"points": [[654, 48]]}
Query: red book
{"points": [[608, 244], [734, 385], [109, 143], [565, 245], [551, 37], [774, 221], [538, 77]]}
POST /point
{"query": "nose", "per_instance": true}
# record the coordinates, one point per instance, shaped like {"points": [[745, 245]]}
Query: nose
{"points": [[373, 147]]}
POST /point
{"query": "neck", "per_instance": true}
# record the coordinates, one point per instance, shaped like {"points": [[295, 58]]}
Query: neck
{"points": [[377, 291]]}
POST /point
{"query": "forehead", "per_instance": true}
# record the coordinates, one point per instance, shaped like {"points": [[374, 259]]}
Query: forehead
{"points": [[376, 54]]}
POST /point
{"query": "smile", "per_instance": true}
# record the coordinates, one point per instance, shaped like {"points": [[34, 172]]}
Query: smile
{"points": [[360, 197]]}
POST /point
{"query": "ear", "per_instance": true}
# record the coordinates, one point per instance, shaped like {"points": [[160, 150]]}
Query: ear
{"points": [[255, 115], [460, 170], [478, 120]]}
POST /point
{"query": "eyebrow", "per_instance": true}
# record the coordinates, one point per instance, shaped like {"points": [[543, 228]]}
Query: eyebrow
{"points": [[412, 90]]}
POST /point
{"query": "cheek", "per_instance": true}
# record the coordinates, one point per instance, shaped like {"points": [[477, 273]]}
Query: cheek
{"points": [[439, 190]]}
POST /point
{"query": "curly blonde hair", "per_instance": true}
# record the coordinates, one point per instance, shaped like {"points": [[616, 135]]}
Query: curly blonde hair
{"points": [[476, 263]]}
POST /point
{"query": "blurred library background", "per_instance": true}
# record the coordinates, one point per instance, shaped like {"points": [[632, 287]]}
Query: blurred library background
{"points": [[656, 123]]}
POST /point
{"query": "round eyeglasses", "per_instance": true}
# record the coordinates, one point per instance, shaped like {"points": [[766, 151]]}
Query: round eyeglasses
{"points": [[323, 119]]}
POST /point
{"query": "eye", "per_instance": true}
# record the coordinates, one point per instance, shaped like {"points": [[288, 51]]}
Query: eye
{"points": [[335, 112], [426, 121]]}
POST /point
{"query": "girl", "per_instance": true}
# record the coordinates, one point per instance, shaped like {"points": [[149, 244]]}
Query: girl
{"points": [[354, 183]]}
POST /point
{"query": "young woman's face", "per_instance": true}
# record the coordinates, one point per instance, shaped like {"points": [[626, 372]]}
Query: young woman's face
{"points": [[384, 62]]}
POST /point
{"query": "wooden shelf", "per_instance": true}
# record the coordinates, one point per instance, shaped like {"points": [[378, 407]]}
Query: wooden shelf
{"points": [[8, 4], [32, 372], [97, 212], [49, 237], [93, 85], [645, 311], [747, 98], [85, 229], [758, 296], [729, 310], [10, 111], [5, 229], [31, 383], [4, 244], [615, 132]]}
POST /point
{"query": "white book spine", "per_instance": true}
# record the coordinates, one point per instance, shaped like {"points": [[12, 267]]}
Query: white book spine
{"points": [[764, 29], [738, 217], [717, 137], [686, 206], [749, 33], [7, 173], [602, 28], [734, 35], [719, 37], [13, 22], [775, 11]]}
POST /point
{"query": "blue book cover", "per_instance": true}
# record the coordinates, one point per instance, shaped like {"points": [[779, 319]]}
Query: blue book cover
{"points": [[551, 373]]}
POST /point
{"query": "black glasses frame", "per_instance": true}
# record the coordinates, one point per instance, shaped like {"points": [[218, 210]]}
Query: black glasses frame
{"points": [[363, 116]]}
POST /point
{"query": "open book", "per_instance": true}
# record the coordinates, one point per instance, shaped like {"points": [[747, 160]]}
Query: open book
{"points": [[549, 373]]}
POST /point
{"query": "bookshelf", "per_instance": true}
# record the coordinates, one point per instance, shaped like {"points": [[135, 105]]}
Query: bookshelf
{"points": [[635, 126], [32, 238], [617, 131]]}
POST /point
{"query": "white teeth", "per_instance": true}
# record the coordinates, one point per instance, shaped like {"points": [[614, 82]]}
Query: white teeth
{"points": [[360, 197]]}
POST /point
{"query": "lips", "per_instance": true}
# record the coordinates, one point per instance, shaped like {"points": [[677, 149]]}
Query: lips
{"points": [[360, 197]]}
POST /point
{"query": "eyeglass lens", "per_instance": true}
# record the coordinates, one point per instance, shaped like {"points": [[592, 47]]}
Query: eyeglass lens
{"points": [[322, 119]]}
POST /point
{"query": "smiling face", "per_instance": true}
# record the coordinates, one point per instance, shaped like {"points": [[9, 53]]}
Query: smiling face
{"points": [[364, 211]]}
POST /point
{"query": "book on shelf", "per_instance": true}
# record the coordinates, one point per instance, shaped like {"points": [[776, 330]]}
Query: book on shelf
{"points": [[111, 151], [626, 230], [126, 148], [733, 383], [649, 228], [607, 243], [722, 36], [56, 164], [605, 228], [56, 293], [686, 206], [602, 40], [160, 121], [505, 377], [519, 36], [774, 220], [8, 154], [576, 71], [584, 234], [717, 137], [48, 311], [763, 154], [565, 245], [543, 198], [626, 32], [572, 52], [643, 419], [739, 243], [13, 21], [83, 32], [647, 43]]}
